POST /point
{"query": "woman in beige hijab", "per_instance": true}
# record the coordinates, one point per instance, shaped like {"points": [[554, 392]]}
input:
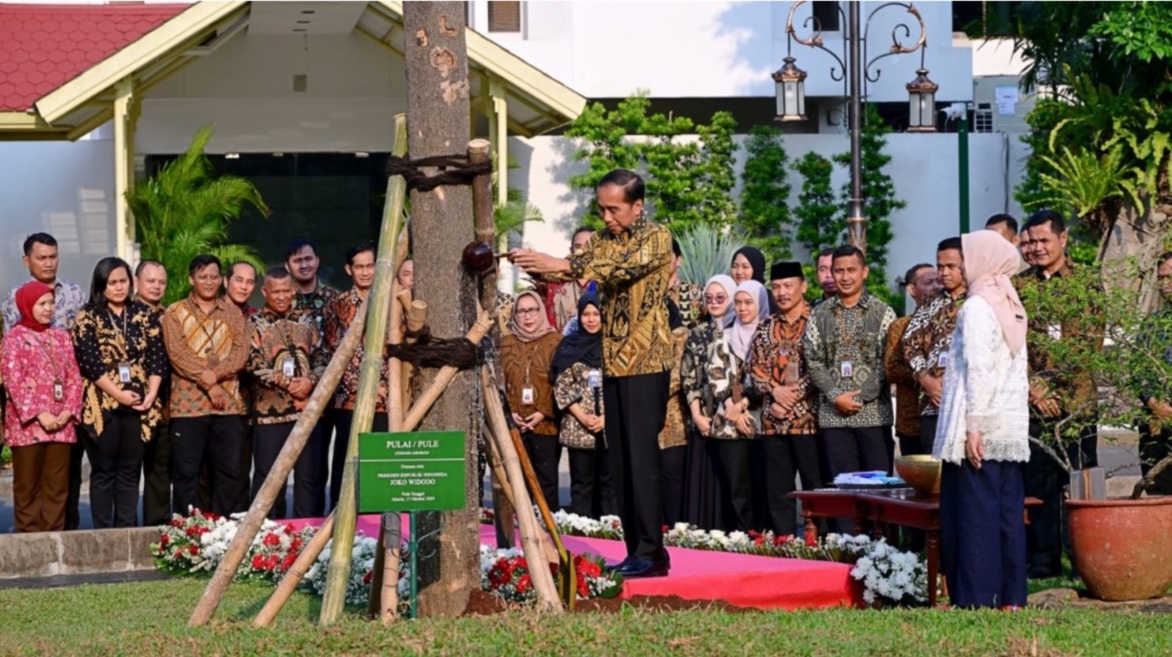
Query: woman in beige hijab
{"points": [[982, 436]]}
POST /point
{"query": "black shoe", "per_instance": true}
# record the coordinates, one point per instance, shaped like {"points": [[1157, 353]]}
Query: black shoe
{"points": [[620, 565], [640, 567]]}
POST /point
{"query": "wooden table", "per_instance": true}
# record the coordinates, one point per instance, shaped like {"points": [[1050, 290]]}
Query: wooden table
{"points": [[885, 507]]}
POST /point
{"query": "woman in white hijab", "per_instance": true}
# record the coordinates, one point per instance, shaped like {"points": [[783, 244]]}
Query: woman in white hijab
{"points": [[982, 434]]}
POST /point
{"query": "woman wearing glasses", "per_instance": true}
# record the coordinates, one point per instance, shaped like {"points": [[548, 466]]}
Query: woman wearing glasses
{"points": [[526, 356]]}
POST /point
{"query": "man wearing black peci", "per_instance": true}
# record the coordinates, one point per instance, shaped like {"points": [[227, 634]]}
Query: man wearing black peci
{"points": [[630, 262]]}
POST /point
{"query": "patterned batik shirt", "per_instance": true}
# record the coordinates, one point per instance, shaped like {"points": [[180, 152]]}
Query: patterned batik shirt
{"points": [[837, 336], [274, 338], [694, 367], [675, 431], [573, 385], [776, 360], [726, 370], [102, 342], [339, 314], [690, 300], [217, 341], [32, 363], [565, 304], [927, 339], [907, 389], [68, 298], [632, 270], [315, 303]]}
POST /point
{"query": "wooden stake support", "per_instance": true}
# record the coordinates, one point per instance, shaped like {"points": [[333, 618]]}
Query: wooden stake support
{"points": [[295, 574]]}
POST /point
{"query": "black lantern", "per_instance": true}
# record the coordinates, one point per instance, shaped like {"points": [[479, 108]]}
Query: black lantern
{"points": [[922, 103], [791, 92]]}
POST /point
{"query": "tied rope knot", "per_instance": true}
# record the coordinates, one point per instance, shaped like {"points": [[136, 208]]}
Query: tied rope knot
{"points": [[431, 352], [454, 170]]}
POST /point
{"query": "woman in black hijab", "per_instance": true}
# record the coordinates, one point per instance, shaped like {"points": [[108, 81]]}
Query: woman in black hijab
{"points": [[748, 263], [576, 372]]}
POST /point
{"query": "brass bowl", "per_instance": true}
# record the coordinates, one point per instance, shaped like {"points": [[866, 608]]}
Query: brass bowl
{"points": [[921, 472]]}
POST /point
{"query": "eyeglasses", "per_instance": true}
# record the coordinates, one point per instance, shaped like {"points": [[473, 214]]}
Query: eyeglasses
{"points": [[717, 299], [525, 311]]}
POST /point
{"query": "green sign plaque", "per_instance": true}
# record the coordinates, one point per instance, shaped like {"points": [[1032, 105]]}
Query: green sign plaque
{"points": [[421, 471]]}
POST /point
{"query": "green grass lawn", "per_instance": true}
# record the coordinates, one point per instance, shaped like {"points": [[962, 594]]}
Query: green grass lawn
{"points": [[149, 620]]}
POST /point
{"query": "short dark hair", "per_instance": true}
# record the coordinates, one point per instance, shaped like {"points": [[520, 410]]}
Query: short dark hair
{"points": [[101, 277], [912, 274], [675, 247], [361, 247], [848, 250], [1164, 257], [950, 244], [828, 251], [1002, 218], [38, 238], [204, 260], [296, 245], [277, 273], [232, 267], [1040, 218], [629, 181], [579, 230], [143, 264]]}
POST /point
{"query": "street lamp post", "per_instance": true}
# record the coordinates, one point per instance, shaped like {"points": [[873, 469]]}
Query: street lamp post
{"points": [[791, 94]]}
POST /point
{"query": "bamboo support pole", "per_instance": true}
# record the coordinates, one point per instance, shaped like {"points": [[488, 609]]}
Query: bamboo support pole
{"points": [[274, 484], [295, 574], [531, 540], [446, 374], [416, 320], [389, 594], [338, 575]]}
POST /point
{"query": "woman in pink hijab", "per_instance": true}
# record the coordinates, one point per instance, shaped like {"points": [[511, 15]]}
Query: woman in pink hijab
{"points": [[982, 436]]}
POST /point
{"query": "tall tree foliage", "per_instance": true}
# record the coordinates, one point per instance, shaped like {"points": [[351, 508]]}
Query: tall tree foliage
{"points": [[881, 201], [820, 222], [689, 179], [765, 213], [185, 210]]}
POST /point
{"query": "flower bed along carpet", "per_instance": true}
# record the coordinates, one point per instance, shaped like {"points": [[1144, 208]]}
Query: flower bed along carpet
{"points": [[739, 579]]}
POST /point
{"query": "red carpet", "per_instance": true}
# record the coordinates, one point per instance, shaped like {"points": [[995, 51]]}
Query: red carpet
{"points": [[743, 580]]}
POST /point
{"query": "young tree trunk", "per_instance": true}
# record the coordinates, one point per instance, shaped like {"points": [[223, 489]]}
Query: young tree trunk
{"points": [[437, 124]]}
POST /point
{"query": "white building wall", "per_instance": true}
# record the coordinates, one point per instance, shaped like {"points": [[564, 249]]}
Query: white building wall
{"points": [[717, 49], [61, 188]]}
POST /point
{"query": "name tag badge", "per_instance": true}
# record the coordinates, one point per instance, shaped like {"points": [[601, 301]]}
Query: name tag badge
{"points": [[594, 379], [526, 395], [942, 360], [124, 372], [288, 366], [58, 391], [846, 368]]}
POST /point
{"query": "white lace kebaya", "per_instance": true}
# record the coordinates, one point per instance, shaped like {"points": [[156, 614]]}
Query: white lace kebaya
{"points": [[986, 389]]}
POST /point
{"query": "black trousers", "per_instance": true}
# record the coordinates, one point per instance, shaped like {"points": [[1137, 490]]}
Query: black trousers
{"points": [[982, 535], [545, 452], [673, 463], [1153, 448], [1046, 480], [267, 441], [591, 486], [636, 407], [215, 439], [116, 465], [245, 476], [928, 432], [156, 478], [73, 499], [855, 450], [737, 481], [343, 420], [325, 434], [786, 456]]}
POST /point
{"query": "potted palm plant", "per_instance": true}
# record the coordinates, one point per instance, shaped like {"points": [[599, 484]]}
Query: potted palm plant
{"points": [[185, 210]]}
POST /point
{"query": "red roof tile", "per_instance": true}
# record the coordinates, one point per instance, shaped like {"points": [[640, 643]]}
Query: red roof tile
{"points": [[44, 46]]}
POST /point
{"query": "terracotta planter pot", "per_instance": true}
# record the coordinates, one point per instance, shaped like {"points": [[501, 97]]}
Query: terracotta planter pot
{"points": [[1121, 546]]}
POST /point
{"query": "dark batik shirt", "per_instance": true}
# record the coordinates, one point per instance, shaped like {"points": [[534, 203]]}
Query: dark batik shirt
{"points": [[275, 338], [315, 304], [927, 338], [836, 334], [339, 314], [776, 360]]}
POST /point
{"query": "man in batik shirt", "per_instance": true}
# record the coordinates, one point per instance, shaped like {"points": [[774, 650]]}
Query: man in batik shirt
{"points": [[789, 425], [928, 337], [285, 362], [150, 286], [339, 314], [565, 298]]}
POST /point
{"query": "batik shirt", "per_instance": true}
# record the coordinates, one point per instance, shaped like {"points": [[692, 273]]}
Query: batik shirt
{"points": [[68, 299], [339, 314], [776, 358], [852, 339], [675, 431], [632, 273], [273, 339], [690, 300], [907, 389], [927, 339], [102, 342], [216, 341], [315, 303], [573, 385], [565, 304], [708, 373], [31, 363]]}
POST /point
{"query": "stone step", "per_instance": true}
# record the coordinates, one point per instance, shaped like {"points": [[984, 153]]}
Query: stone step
{"points": [[83, 552]]}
